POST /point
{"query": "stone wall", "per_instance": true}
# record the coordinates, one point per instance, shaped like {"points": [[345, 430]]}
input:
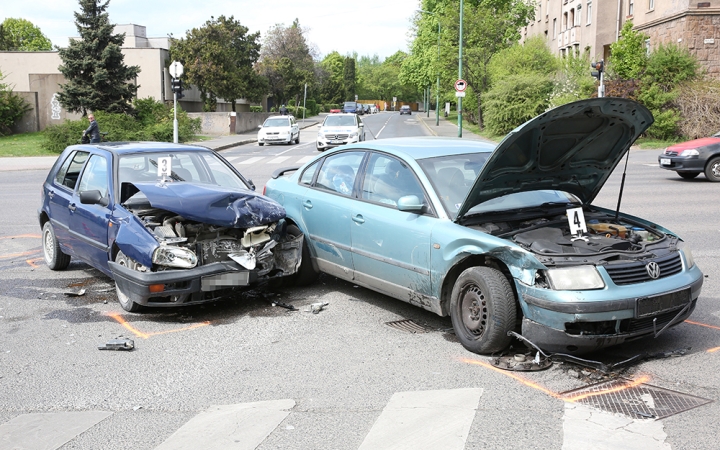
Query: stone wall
{"points": [[29, 122]]}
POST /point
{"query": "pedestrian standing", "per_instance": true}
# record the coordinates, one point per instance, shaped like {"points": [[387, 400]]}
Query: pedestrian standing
{"points": [[283, 110], [93, 130]]}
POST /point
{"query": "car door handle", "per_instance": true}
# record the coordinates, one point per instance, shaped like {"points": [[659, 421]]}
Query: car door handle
{"points": [[51, 194], [72, 207], [307, 204], [358, 219]]}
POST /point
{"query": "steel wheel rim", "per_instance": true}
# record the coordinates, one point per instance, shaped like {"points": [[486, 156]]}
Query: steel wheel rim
{"points": [[715, 169], [49, 246], [474, 310]]}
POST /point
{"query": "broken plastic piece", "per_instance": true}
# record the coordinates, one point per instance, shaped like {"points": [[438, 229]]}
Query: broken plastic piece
{"points": [[79, 293], [285, 305], [118, 344], [317, 307]]}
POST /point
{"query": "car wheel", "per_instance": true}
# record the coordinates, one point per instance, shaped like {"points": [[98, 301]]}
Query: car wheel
{"points": [[54, 257], [482, 309], [712, 171], [297, 141], [688, 175], [306, 274], [124, 299], [261, 144]]}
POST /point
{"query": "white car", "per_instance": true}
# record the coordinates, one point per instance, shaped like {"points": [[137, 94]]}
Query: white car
{"points": [[279, 130], [340, 129], [373, 109]]}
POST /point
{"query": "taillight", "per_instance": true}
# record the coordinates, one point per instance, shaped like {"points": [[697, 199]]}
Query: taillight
{"points": [[264, 187]]}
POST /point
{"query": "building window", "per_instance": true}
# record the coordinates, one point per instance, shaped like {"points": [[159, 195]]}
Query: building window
{"points": [[631, 7], [547, 8], [589, 13], [571, 23], [647, 47], [565, 22], [554, 35], [651, 5], [578, 16]]}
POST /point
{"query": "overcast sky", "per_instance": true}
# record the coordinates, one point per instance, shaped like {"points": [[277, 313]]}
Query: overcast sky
{"points": [[367, 27]]}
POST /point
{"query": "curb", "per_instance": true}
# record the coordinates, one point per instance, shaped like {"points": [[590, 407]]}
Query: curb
{"points": [[426, 125]]}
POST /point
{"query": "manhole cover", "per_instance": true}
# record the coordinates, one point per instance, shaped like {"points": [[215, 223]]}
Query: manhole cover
{"points": [[407, 325], [638, 402]]}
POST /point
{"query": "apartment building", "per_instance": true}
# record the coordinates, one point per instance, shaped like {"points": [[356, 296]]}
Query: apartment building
{"points": [[593, 25]]}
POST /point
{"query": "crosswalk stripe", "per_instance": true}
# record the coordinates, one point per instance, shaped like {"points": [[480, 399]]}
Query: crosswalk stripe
{"points": [[251, 160], [305, 159], [238, 427], [278, 160], [47, 430], [425, 420], [585, 427]]}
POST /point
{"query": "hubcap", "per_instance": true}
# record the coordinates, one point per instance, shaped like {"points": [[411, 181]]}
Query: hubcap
{"points": [[474, 311], [49, 246], [716, 170]]}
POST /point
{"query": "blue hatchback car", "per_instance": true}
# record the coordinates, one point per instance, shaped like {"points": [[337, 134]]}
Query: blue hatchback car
{"points": [[172, 224], [501, 239]]}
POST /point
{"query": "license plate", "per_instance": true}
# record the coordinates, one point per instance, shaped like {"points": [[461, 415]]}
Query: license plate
{"points": [[336, 142], [665, 161], [224, 280], [661, 303]]}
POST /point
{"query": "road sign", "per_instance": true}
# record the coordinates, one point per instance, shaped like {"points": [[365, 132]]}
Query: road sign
{"points": [[460, 94], [394, 99], [460, 85], [176, 69]]}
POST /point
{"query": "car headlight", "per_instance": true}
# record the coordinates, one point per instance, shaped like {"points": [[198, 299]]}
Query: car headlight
{"points": [[574, 278], [690, 152], [689, 260], [320, 135], [179, 257], [353, 134]]}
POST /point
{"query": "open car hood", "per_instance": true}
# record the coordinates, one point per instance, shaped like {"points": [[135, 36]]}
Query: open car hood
{"points": [[572, 148], [212, 204]]}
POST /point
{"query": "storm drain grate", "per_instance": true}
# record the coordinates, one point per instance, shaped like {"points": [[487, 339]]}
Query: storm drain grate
{"points": [[638, 402], [407, 325]]}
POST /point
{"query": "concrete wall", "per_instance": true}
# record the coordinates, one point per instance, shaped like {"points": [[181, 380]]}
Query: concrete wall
{"points": [[213, 123], [50, 112], [248, 121], [28, 123]]}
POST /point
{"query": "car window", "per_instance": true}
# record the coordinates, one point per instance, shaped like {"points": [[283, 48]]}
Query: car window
{"points": [[276, 122], [387, 179], [95, 176], [70, 170], [338, 172], [308, 174], [452, 177], [340, 121]]}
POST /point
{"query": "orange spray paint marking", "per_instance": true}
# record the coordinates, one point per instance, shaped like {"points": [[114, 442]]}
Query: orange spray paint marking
{"points": [[140, 334], [32, 262], [639, 381], [15, 255], [36, 236], [702, 325], [713, 350]]}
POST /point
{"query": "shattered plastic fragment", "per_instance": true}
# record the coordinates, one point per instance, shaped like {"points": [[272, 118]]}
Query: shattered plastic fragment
{"points": [[118, 344], [79, 293], [315, 308]]}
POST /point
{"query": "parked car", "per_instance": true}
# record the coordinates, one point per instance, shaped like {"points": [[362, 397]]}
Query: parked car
{"points": [[405, 109], [500, 238], [279, 130], [690, 159], [335, 110], [172, 224], [339, 129], [373, 109], [351, 107]]}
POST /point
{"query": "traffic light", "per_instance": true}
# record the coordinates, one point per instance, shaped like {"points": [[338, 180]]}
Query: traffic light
{"points": [[177, 87], [599, 67]]}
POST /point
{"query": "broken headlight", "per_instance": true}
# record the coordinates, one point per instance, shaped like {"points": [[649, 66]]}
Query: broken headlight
{"points": [[574, 278], [174, 257], [689, 260]]}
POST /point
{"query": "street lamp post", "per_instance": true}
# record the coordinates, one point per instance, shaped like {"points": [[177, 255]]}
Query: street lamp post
{"points": [[437, 88], [460, 71]]}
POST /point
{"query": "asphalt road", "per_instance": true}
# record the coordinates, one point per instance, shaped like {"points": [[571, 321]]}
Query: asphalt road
{"points": [[329, 377]]}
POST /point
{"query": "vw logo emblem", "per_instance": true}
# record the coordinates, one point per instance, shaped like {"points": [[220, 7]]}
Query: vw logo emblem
{"points": [[653, 270]]}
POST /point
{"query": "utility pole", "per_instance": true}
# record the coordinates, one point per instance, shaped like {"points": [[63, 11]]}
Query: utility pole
{"points": [[460, 71]]}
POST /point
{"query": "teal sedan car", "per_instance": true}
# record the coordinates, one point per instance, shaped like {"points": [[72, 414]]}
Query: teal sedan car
{"points": [[499, 238]]}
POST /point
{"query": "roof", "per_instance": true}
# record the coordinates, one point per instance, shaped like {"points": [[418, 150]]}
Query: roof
{"points": [[426, 147], [138, 147]]}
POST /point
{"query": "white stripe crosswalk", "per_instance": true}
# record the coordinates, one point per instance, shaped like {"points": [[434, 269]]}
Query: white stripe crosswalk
{"points": [[241, 161], [410, 420]]}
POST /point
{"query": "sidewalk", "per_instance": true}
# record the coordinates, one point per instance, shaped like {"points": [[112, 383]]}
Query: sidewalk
{"points": [[218, 143], [447, 128]]}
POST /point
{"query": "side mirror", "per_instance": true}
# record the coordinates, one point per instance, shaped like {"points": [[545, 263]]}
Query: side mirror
{"points": [[259, 126], [93, 197], [252, 185], [410, 203]]}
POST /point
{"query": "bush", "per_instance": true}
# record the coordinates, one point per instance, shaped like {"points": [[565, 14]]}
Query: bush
{"points": [[256, 108], [515, 100], [154, 122], [12, 108], [297, 111], [312, 107], [669, 66], [699, 106]]}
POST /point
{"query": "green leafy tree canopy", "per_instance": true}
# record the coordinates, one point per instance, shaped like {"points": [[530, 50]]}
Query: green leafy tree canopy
{"points": [[628, 55], [94, 67], [22, 35]]}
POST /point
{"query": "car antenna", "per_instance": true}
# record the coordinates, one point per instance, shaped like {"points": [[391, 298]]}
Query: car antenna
{"points": [[622, 185]]}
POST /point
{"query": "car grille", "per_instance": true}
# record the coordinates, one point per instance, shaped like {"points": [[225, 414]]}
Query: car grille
{"points": [[273, 132], [670, 153], [636, 272], [336, 137]]}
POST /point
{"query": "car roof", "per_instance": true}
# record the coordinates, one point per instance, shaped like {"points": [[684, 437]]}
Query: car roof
{"points": [[121, 148], [425, 147]]}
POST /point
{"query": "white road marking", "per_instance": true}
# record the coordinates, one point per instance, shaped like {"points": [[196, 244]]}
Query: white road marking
{"points": [[425, 420], [237, 427], [383, 127], [305, 159], [47, 430], [251, 160], [278, 160], [589, 428]]}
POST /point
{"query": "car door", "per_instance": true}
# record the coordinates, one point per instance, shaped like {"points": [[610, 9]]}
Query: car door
{"points": [[391, 248], [295, 129], [89, 221], [60, 194], [326, 213]]}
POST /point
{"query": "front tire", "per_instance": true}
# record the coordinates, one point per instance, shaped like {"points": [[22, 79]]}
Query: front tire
{"points": [[54, 257], [125, 301], [306, 274], [688, 175], [712, 171], [482, 309], [261, 144]]}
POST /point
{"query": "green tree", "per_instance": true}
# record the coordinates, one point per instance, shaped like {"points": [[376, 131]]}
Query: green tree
{"points": [[572, 81], [22, 35], [12, 107], [349, 85], [287, 61], [218, 58], [628, 57], [330, 78], [97, 77]]}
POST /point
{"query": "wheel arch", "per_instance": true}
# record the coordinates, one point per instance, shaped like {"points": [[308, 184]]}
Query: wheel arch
{"points": [[291, 221]]}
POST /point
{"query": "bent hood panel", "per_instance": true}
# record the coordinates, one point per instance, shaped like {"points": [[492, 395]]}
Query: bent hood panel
{"points": [[573, 148], [212, 204]]}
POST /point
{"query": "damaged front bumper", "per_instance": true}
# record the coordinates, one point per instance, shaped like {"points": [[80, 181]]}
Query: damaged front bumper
{"points": [[583, 327]]}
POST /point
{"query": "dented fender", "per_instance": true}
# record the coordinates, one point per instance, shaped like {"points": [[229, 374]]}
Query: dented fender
{"points": [[134, 240]]}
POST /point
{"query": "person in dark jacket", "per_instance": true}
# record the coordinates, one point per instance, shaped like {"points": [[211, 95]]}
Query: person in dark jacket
{"points": [[93, 130], [283, 110]]}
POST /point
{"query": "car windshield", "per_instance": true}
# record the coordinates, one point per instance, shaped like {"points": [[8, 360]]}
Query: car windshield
{"points": [[350, 104], [276, 122], [339, 121], [405, 107], [197, 167]]}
